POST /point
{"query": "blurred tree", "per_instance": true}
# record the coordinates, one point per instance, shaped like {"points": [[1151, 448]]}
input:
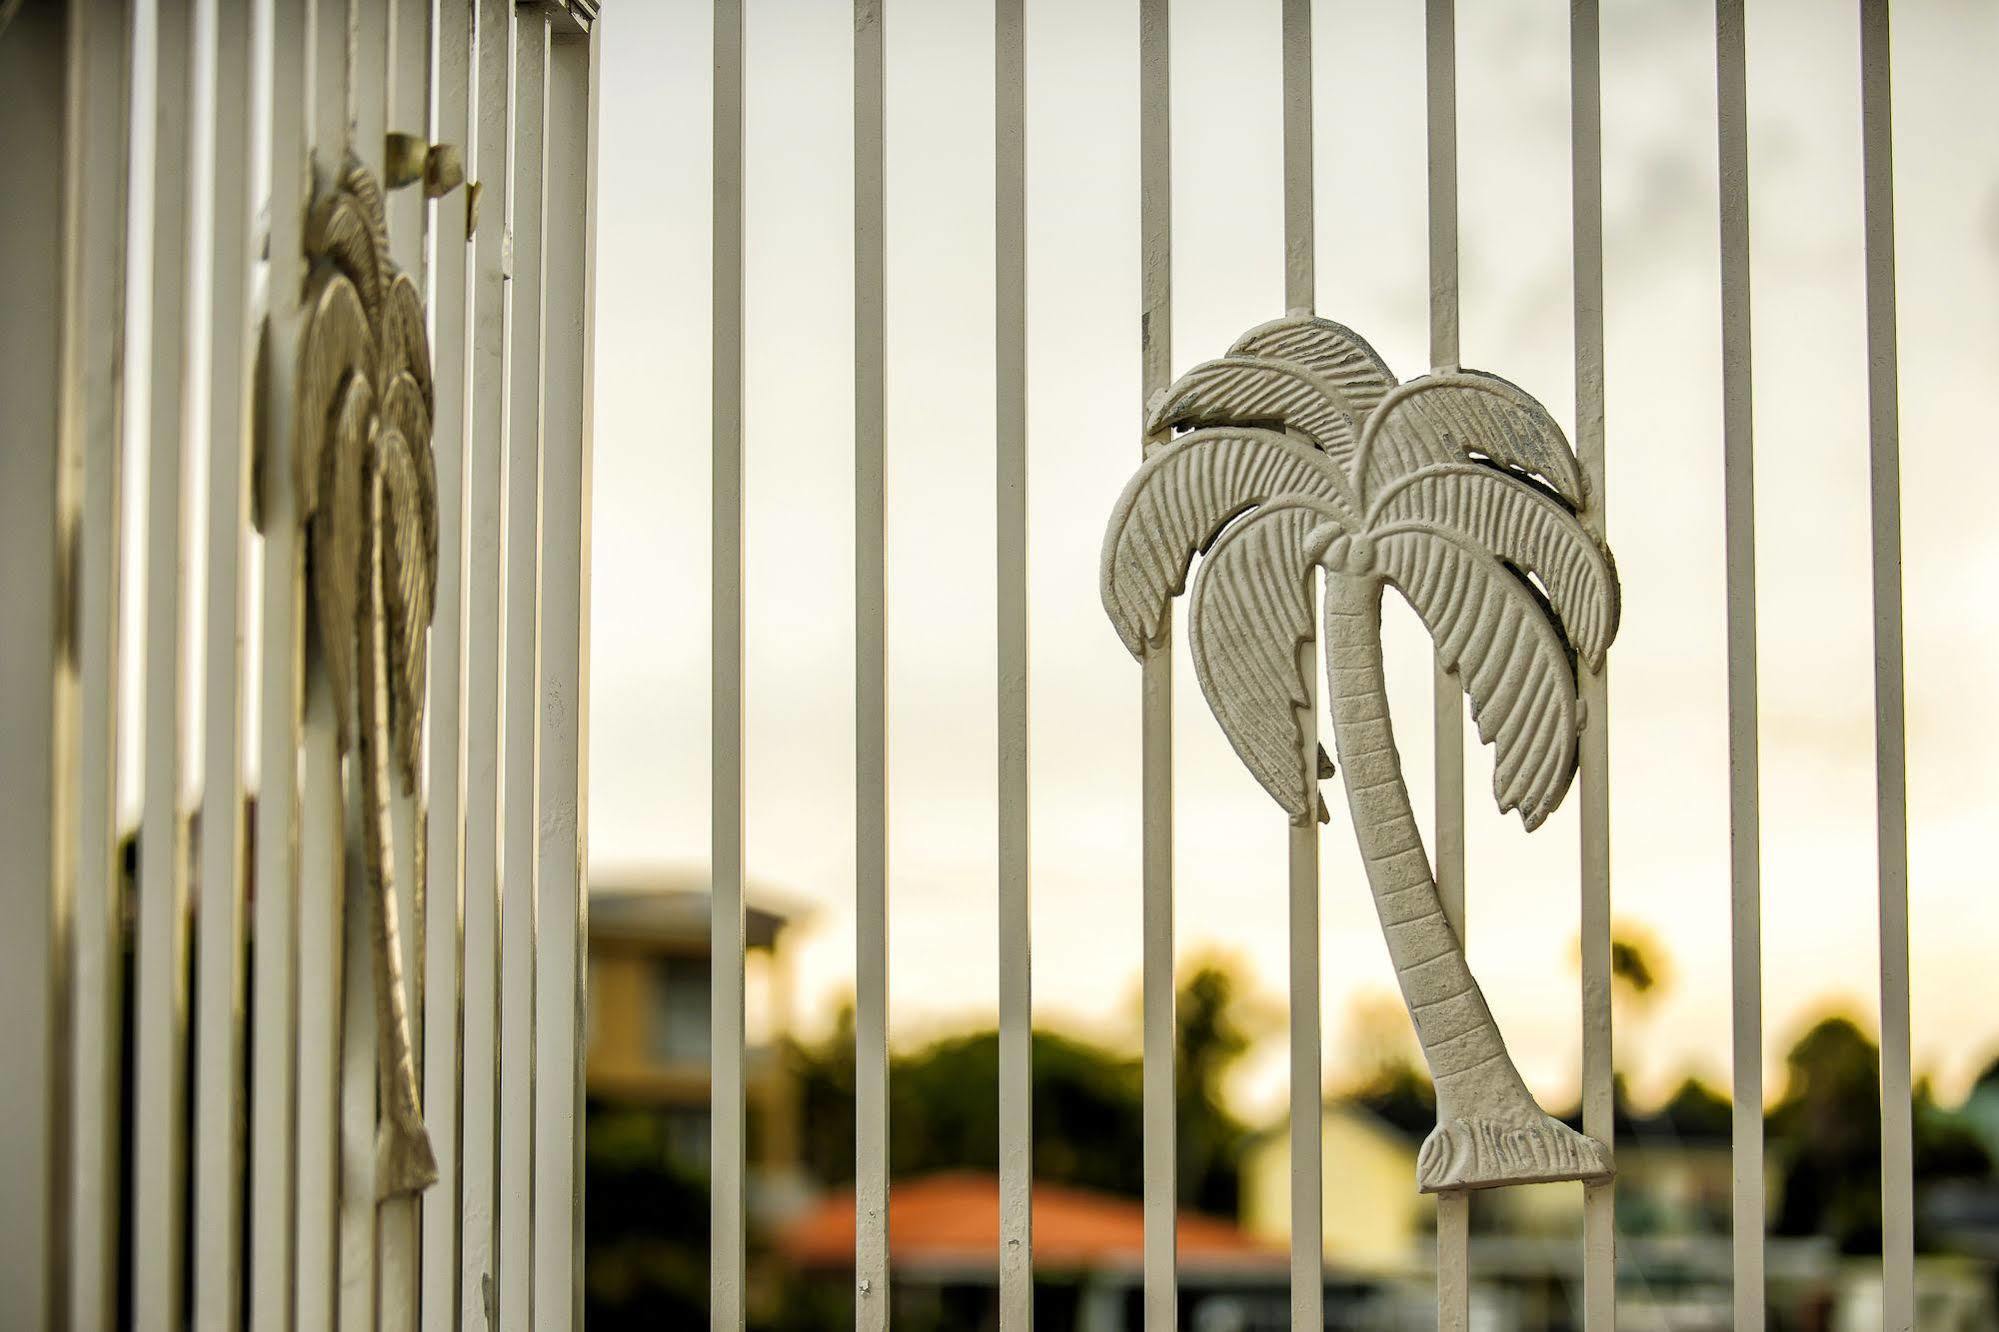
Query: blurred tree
{"points": [[1217, 1026], [1948, 1145], [1636, 962], [1088, 1102], [1826, 1133], [1695, 1112], [1390, 1080], [645, 1225]]}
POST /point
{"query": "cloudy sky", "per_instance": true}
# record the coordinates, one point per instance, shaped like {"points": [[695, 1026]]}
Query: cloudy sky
{"points": [[649, 792]]}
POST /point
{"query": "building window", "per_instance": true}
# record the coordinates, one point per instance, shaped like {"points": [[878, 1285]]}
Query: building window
{"points": [[678, 1032]]}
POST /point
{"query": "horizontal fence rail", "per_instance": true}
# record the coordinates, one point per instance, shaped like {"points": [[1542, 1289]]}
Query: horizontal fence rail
{"points": [[279, 1002]]}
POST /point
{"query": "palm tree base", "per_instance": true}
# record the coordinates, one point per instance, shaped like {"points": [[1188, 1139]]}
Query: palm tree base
{"points": [[404, 1160], [1479, 1153]]}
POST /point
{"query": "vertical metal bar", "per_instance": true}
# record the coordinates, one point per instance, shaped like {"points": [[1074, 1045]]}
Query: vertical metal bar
{"points": [[521, 814], [1308, 1283], [871, 1269], [38, 171], [237, 171], [447, 823], [321, 850], [406, 110], [360, 1217], [160, 1004], [1298, 239], [726, 1161], [100, 40], [1447, 703], [1891, 777], [1441, 84], [588, 105], [274, 1003], [1016, 997], [1739, 542], [1307, 1106], [1599, 1094], [485, 466], [564, 690], [321, 1002], [1161, 1027]]}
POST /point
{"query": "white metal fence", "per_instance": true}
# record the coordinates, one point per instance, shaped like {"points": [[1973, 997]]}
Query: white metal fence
{"points": [[193, 1079], [1152, 233], [192, 1096]]}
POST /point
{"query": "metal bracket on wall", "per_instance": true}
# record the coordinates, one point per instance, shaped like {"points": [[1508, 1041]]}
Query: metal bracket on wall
{"points": [[566, 18], [408, 159]]}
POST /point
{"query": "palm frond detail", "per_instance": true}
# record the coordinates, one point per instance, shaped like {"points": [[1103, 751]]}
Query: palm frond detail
{"points": [[1460, 491], [1525, 528], [1252, 391], [1464, 416], [1492, 632], [1332, 351], [366, 487], [1177, 503], [347, 230], [337, 537], [409, 587], [1248, 619], [334, 345]]}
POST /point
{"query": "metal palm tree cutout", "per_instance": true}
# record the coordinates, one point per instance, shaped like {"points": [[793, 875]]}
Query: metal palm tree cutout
{"points": [[366, 489], [1458, 490]]}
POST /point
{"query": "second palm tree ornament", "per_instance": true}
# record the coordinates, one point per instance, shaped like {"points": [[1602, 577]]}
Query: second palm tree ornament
{"points": [[367, 492], [1302, 453]]}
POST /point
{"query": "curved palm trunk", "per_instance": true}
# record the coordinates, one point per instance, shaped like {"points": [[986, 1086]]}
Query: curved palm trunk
{"points": [[1490, 1130], [404, 1159]]}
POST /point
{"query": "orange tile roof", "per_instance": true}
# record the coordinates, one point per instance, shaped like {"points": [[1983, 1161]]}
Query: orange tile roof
{"points": [[953, 1220]]}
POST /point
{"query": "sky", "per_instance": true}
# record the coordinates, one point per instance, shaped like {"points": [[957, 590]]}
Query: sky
{"points": [[649, 798]]}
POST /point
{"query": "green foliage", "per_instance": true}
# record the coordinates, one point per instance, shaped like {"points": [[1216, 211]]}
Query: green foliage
{"points": [[1216, 1027], [1696, 1112], [1088, 1104], [645, 1225], [1400, 1094], [1827, 1134], [1630, 963]]}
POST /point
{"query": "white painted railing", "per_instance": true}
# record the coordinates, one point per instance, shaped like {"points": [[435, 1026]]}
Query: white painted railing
{"points": [[161, 162], [156, 164], [1591, 437]]}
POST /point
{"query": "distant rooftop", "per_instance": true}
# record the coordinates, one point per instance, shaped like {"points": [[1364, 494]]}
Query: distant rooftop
{"points": [[673, 905], [950, 1222]]}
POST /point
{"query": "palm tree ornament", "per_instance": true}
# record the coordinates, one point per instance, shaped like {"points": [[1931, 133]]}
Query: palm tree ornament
{"points": [[367, 492], [1456, 489]]}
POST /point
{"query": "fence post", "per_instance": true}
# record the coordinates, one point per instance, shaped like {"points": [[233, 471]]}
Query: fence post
{"points": [[871, 1127], [1161, 1033], [726, 1153], [1739, 541], [1891, 742], [1448, 708], [93, 385], [487, 418], [37, 520], [522, 655], [563, 695], [448, 245], [240, 34], [1598, 1089], [1016, 997]]}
